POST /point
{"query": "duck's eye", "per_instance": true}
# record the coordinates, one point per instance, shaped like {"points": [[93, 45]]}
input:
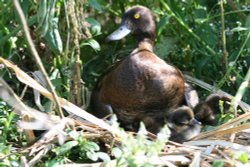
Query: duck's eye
{"points": [[136, 16]]}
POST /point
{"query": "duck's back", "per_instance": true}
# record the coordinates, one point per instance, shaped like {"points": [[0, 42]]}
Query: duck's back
{"points": [[143, 81]]}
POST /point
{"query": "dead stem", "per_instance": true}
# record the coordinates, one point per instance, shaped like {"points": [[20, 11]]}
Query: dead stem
{"points": [[35, 54]]}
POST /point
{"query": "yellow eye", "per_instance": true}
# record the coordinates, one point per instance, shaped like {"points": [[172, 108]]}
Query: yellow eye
{"points": [[137, 16]]}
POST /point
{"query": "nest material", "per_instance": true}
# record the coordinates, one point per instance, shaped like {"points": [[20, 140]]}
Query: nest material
{"points": [[218, 144]]}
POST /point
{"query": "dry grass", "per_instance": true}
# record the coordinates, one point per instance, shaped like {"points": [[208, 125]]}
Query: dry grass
{"points": [[217, 144]]}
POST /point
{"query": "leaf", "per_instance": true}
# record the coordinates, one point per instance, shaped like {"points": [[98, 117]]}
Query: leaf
{"points": [[103, 156], [43, 27], [66, 147], [42, 18], [95, 27], [25, 4], [92, 146], [41, 11], [12, 41], [217, 163], [73, 134], [238, 29], [94, 4], [92, 155], [117, 152], [162, 24], [242, 157], [45, 17], [53, 38], [93, 43], [52, 163]]}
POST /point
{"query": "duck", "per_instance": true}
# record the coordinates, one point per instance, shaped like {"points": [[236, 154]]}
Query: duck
{"points": [[101, 110], [183, 125], [207, 111], [142, 86]]}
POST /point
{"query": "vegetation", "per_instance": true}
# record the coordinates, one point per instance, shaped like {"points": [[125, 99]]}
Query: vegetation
{"points": [[207, 39]]}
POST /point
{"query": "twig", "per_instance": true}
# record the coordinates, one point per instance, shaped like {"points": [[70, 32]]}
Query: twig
{"points": [[196, 160], [11, 98], [23, 92], [221, 143], [70, 107], [219, 131], [19, 107], [40, 155], [224, 50], [68, 31], [35, 54], [242, 89], [223, 37], [76, 90], [235, 121], [24, 162]]}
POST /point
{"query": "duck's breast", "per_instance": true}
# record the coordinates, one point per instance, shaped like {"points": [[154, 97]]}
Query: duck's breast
{"points": [[143, 80]]}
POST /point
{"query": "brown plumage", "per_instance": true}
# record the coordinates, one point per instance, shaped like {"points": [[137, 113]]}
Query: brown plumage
{"points": [[142, 86], [97, 107]]}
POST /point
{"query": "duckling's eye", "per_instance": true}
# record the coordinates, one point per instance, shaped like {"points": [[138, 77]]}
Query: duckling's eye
{"points": [[137, 16], [182, 123]]}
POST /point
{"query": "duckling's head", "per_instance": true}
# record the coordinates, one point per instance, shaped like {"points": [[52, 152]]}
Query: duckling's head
{"points": [[183, 125], [207, 111], [213, 101], [183, 116], [137, 20]]}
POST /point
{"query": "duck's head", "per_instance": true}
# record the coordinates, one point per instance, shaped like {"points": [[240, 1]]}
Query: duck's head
{"points": [[139, 21]]}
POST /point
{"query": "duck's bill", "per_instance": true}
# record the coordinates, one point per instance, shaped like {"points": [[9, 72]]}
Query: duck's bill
{"points": [[118, 34], [195, 122]]}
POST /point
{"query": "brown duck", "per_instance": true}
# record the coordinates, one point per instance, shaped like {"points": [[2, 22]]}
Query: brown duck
{"points": [[142, 85]]}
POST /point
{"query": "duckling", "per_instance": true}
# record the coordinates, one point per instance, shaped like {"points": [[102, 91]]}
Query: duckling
{"points": [[142, 84], [183, 125], [206, 111]]}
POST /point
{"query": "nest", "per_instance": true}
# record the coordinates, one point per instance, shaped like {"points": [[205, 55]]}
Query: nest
{"points": [[203, 150]]}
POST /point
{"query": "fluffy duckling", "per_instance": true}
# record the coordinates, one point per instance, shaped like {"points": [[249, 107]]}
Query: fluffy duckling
{"points": [[206, 111], [183, 125]]}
